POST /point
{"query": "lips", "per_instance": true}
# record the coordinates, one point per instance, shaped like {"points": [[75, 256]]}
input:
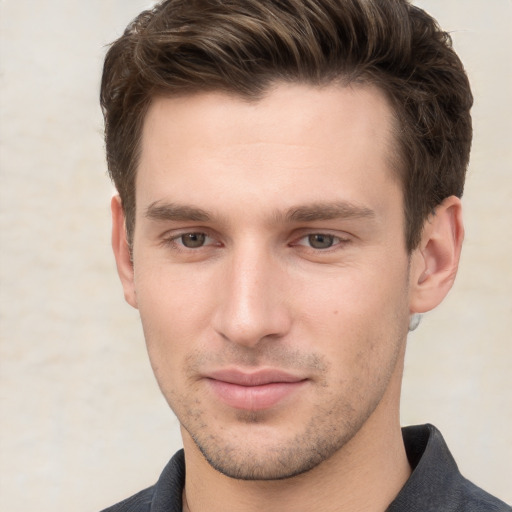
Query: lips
{"points": [[254, 390]]}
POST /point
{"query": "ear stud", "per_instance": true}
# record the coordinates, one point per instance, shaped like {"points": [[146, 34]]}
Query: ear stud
{"points": [[414, 321]]}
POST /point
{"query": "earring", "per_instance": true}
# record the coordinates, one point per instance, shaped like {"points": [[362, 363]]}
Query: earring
{"points": [[414, 321]]}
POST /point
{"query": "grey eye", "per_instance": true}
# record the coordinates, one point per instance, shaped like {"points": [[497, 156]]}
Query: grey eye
{"points": [[319, 241], [193, 240]]}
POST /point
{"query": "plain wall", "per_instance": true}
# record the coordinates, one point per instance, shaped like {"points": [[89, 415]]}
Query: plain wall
{"points": [[82, 421]]}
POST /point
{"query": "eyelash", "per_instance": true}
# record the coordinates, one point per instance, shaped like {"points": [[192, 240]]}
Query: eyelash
{"points": [[336, 241]]}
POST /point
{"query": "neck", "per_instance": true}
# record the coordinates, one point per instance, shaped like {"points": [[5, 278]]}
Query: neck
{"points": [[364, 476]]}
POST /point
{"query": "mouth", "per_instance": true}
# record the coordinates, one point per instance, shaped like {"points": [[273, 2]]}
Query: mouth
{"points": [[254, 391]]}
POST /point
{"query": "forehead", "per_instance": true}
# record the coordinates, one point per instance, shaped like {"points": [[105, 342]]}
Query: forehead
{"points": [[314, 138], [295, 106]]}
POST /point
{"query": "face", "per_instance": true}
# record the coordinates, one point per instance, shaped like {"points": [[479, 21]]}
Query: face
{"points": [[270, 271]]}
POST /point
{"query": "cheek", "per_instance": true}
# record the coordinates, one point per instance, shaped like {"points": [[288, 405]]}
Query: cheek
{"points": [[174, 310], [351, 297], [356, 318], [172, 296]]}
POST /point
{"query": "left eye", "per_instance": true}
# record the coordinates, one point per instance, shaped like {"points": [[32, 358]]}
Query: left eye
{"points": [[321, 241]]}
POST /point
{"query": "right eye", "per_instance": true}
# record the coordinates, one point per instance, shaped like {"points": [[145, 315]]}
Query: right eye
{"points": [[192, 240], [189, 241]]}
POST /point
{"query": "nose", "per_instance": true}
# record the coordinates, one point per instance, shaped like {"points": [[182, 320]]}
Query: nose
{"points": [[252, 302]]}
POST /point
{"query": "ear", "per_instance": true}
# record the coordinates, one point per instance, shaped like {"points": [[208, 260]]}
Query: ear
{"points": [[435, 261], [122, 251]]}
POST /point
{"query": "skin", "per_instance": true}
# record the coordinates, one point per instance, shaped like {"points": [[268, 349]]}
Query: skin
{"points": [[270, 236]]}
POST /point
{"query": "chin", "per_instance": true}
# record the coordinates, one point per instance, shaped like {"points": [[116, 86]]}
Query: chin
{"points": [[265, 454]]}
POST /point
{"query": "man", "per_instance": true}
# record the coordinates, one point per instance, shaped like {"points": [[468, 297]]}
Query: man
{"points": [[289, 176]]}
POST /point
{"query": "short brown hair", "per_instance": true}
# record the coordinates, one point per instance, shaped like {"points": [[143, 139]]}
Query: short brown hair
{"points": [[243, 46]]}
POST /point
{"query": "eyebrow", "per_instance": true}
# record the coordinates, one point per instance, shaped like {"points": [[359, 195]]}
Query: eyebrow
{"points": [[177, 212], [328, 211], [304, 213]]}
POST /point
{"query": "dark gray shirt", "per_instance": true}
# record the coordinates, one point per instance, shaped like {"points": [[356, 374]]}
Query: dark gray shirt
{"points": [[435, 484]]}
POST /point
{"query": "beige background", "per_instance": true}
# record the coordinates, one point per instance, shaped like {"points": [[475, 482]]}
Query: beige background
{"points": [[82, 421]]}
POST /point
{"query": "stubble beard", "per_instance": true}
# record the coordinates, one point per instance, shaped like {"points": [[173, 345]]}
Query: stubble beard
{"points": [[262, 458]]}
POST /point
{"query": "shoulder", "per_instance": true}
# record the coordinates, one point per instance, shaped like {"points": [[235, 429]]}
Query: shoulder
{"points": [[436, 483], [474, 499]]}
